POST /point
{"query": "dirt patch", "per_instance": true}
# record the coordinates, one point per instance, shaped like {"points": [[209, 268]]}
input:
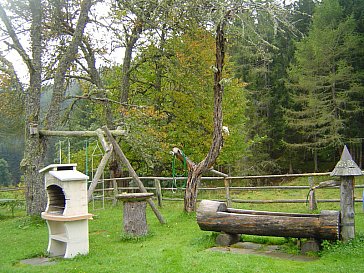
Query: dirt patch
{"points": [[262, 250], [38, 261]]}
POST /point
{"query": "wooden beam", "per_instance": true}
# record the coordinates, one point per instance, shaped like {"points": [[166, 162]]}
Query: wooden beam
{"points": [[99, 172], [105, 145], [108, 148], [218, 173], [132, 173], [48, 133]]}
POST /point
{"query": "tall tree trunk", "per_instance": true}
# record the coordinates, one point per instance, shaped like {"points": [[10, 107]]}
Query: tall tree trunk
{"points": [[315, 160], [191, 192], [195, 171], [34, 146], [361, 154], [159, 67], [34, 151]]}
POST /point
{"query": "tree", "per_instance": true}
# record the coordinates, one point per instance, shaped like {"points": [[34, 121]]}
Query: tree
{"points": [[195, 171], [33, 13], [354, 8], [261, 56], [222, 14], [322, 81]]}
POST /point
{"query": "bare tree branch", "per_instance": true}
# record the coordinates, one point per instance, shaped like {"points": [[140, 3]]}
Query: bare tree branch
{"points": [[14, 37]]}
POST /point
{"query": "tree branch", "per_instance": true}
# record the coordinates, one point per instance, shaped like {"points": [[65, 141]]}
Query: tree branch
{"points": [[14, 37], [67, 58], [11, 72], [105, 100]]}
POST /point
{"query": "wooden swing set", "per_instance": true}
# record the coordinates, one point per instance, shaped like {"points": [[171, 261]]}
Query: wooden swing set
{"points": [[109, 145]]}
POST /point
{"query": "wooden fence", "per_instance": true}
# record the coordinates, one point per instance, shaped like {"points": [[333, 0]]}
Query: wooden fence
{"points": [[109, 188], [227, 187]]}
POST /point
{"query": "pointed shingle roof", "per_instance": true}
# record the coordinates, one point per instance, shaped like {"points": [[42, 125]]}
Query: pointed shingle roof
{"points": [[346, 166]]}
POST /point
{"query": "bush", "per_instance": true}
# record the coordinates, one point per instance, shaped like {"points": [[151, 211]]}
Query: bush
{"points": [[6, 178]]}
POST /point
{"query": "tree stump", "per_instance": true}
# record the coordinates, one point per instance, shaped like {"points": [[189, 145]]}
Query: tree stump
{"points": [[134, 213]]}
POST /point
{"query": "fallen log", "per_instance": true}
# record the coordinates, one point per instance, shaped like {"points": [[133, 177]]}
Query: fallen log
{"points": [[215, 216]]}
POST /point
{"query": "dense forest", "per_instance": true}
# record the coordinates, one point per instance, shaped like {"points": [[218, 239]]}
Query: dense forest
{"points": [[293, 82]]}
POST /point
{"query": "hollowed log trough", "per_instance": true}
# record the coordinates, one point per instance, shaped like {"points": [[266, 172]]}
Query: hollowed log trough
{"points": [[216, 216]]}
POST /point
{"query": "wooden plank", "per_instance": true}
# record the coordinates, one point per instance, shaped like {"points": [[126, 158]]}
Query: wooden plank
{"points": [[61, 218]]}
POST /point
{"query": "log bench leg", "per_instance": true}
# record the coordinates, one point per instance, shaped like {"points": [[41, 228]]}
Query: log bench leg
{"points": [[227, 239], [311, 245]]}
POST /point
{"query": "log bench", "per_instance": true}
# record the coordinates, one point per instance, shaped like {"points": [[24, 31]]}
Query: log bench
{"points": [[216, 216]]}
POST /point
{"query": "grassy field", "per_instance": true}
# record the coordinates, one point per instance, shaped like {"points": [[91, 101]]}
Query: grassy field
{"points": [[178, 246]]}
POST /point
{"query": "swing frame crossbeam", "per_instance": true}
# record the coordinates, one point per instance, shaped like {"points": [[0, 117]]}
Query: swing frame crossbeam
{"points": [[49, 133]]}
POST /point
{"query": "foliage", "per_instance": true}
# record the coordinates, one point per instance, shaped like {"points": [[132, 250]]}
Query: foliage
{"points": [[11, 125], [260, 56], [177, 110], [323, 82], [5, 174]]}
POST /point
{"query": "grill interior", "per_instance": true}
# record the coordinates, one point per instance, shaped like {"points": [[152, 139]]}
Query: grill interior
{"points": [[57, 200]]}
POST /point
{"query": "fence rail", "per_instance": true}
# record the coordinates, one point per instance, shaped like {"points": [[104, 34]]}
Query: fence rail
{"points": [[12, 189], [227, 187]]}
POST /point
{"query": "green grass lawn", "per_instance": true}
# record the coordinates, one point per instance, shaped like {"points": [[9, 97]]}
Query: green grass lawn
{"points": [[178, 246]]}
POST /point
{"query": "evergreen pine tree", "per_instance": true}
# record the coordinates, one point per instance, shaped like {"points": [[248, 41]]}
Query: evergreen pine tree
{"points": [[322, 81]]}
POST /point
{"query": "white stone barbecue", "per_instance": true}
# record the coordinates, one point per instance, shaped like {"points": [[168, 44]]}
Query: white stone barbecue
{"points": [[67, 210]]}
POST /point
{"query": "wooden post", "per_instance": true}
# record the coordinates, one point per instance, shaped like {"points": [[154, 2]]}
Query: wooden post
{"points": [[227, 191], [115, 190], [347, 208], [158, 191], [346, 169], [132, 173], [312, 196]]}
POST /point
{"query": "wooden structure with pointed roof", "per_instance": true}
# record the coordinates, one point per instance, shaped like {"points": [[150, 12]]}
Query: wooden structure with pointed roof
{"points": [[346, 169]]}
